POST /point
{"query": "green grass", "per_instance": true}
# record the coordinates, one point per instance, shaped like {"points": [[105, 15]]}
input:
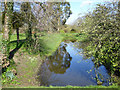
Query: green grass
{"points": [[69, 86], [14, 37], [74, 36], [49, 42], [52, 41]]}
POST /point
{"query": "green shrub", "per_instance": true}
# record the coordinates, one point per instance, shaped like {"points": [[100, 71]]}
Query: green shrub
{"points": [[102, 27], [62, 31]]}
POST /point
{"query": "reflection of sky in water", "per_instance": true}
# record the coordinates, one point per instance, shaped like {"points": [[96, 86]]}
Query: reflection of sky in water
{"points": [[77, 74]]}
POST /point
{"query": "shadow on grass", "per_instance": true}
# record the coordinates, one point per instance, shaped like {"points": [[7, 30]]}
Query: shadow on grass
{"points": [[30, 46], [18, 46]]}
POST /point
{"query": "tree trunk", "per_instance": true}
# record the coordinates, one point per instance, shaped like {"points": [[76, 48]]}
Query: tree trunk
{"points": [[6, 30], [6, 33], [7, 27], [119, 6], [58, 24], [29, 33], [30, 26], [6, 37], [119, 10], [17, 31]]}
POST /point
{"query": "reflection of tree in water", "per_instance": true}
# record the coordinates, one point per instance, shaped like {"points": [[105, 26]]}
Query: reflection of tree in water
{"points": [[99, 77], [60, 61], [83, 45]]}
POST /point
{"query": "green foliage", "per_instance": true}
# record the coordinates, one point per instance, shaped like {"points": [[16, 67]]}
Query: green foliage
{"points": [[62, 31], [102, 27], [9, 79], [8, 76], [35, 46], [17, 20]]}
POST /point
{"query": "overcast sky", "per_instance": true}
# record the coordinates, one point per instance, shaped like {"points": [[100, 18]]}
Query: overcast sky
{"points": [[81, 7]]}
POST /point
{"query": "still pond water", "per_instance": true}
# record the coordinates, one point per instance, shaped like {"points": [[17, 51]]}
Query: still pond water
{"points": [[68, 66]]}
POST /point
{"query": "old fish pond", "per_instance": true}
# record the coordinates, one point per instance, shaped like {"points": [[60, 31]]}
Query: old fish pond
{"points": [[69, 66]]}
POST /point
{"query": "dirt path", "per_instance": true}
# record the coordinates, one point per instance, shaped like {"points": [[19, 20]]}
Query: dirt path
{"points": [[27, 67]]}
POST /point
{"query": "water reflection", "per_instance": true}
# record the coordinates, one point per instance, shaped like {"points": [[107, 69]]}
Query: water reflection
{"points": [[69, 66], [60, 60]]}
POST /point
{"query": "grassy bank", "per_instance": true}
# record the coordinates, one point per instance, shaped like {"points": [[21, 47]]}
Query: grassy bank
{"points": [[74, 36], [27, 65], [49, 41], [52, 41]]}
